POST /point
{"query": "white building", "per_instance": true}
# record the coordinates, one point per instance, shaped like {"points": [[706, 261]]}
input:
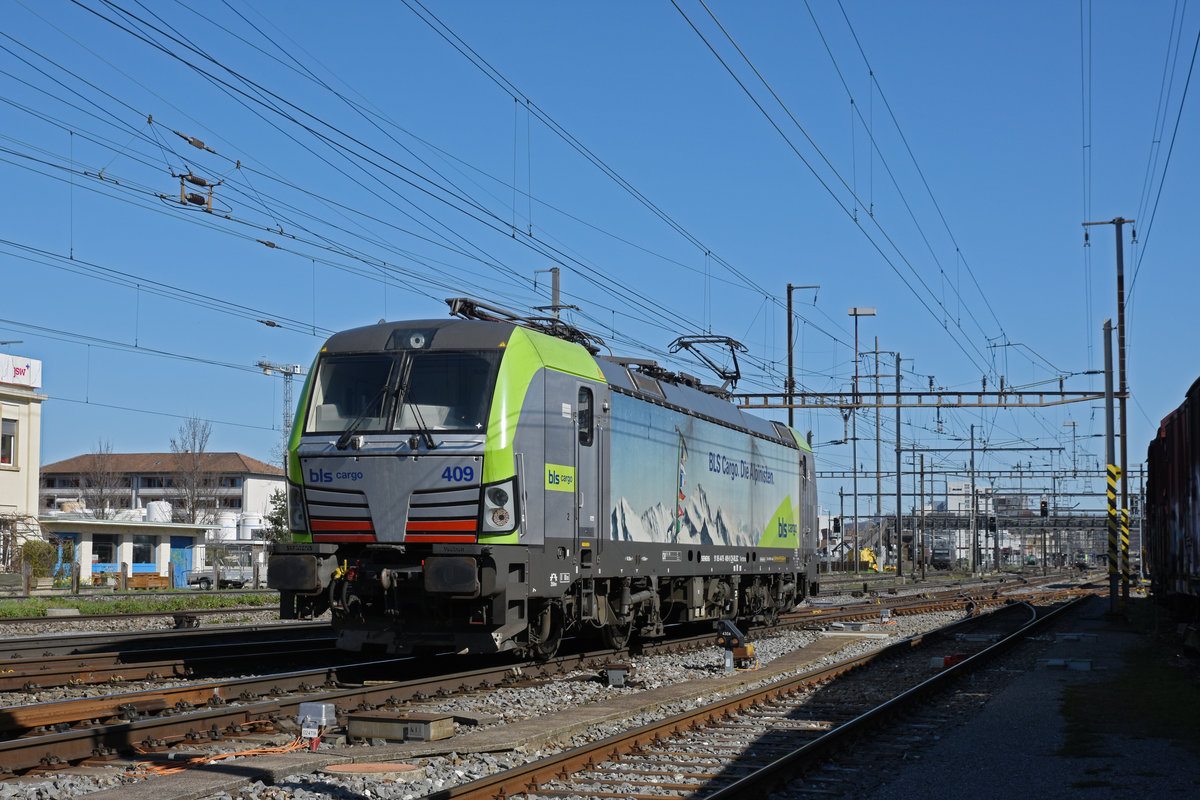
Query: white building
{"points": [[101, 546], [237, 488], [20, 451]]}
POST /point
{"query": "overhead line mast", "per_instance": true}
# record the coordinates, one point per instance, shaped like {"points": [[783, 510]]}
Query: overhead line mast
{"points": [[1122, 393]]}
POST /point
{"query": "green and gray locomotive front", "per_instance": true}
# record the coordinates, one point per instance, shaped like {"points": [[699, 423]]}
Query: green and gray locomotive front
{"points": [[421, 530]]}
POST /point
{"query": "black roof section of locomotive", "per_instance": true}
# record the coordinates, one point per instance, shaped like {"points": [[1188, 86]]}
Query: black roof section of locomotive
{"points": [[448, 334], [688, 399]]}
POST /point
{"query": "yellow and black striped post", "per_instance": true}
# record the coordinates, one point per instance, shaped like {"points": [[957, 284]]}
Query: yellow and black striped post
{"points": [[1125, 553], [1114, 474]]}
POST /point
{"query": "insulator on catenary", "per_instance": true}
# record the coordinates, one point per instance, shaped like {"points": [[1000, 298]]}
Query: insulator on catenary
{"points": [[195, 180], [194, 142], [197, 199], [268, 244]]}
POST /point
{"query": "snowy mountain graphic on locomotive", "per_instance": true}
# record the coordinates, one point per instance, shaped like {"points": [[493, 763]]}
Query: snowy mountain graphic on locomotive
{"points": [[1172, 527], [489, 483]]}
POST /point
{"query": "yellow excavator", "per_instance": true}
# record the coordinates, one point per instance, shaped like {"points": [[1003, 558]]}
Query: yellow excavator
{"points": [[866, 558]]}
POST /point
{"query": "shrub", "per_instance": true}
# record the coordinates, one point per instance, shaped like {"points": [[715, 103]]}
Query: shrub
{"points": [[41, 556]]}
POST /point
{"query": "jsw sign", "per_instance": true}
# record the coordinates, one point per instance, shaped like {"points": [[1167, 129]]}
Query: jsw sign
{"points": [[20, 371]]}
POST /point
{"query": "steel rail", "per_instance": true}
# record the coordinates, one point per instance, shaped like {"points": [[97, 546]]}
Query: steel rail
{"points": [[525, 779], [30, 647], [89, 617], [219, 719], [785, 767], [88, 670]]}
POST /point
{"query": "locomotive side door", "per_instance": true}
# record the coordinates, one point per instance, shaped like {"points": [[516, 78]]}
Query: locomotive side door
{"points": [[588, 513]]}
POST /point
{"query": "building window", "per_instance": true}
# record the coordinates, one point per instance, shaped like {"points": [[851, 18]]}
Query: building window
{"points": [[143, 549], [231, 483], [151, 482], [104, 548], [8, 442], [231, 502]]}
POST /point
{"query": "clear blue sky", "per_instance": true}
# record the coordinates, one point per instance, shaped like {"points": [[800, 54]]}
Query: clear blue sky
{"points": [[391, 172]]}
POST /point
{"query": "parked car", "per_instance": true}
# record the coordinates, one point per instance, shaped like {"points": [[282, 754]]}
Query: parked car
{"points": [[231, 576]]}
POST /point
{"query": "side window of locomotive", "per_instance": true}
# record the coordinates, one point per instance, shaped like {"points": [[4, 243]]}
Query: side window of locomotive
{"points": [[586, 418], [349, 390]]}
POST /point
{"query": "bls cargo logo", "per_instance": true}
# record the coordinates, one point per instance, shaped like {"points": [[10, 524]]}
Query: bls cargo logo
{"points": [[786, 529], [560, 478], [325, 476]]}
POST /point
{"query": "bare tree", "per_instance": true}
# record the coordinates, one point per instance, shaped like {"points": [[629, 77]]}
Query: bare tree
{"points": [[100, 485], [195, 482], [15, 530]]}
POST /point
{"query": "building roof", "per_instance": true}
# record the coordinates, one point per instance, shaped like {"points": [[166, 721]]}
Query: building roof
{"points": [[152, 463], [64, 524]]}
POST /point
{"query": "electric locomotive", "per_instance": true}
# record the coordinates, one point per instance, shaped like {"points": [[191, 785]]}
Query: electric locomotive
{"points": [[489, 483]]}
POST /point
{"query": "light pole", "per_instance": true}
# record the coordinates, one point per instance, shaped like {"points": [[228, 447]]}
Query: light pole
{"points": [[856, 312]]}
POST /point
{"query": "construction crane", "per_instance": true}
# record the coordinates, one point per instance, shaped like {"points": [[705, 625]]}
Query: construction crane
{"points": [[287, 371]]}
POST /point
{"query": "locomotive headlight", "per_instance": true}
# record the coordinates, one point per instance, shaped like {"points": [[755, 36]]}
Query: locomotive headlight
{"points": [[499, 507], [297, 518]]}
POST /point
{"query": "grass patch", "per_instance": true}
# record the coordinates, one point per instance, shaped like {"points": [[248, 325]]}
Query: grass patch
{"points": [[1155, 696], [36, 606]]}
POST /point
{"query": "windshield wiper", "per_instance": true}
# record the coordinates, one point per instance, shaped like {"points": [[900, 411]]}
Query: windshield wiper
{"points": [[426, 436], [344, 440]]}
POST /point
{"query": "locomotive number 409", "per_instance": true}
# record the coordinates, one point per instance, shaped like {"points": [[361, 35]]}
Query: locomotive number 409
{"points": [[458, 474]]}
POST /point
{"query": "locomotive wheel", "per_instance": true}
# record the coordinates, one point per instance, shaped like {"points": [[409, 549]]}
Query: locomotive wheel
{"points": [[616, 634], [546, 630]]}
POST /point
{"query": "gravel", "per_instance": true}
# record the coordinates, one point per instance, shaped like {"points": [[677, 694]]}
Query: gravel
{"points": [[68, 625], [508, 704], [513, 704]]}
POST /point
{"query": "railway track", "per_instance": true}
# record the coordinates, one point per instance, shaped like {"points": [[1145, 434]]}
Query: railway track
{"points": [[55, 734], [203, 660], [129, 645], [76, 619], [756, 742]]}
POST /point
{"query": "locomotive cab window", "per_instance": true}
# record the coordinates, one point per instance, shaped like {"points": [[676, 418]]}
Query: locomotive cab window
{"points": [[586, 417], [447, 390], [350, 391]]}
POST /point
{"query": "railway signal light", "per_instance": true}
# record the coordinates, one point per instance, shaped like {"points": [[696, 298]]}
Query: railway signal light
{"points": [[1045, 509], [992, 524], [837, 524]]}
